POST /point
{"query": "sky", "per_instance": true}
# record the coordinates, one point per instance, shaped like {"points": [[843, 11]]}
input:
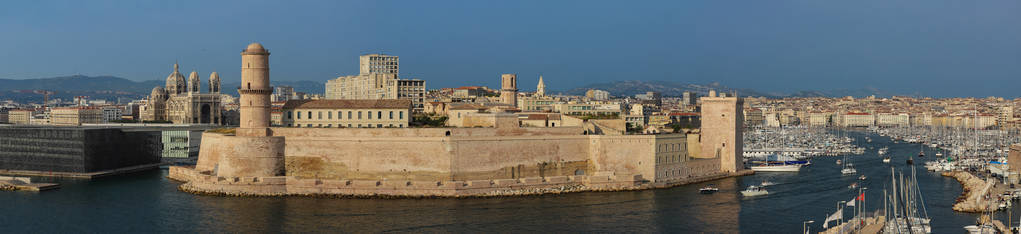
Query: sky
{"points": [[930, 47]]}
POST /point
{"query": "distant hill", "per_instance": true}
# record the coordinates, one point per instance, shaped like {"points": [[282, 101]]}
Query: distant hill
{"points": [[665, 88], [674, 89], [111, 87]]}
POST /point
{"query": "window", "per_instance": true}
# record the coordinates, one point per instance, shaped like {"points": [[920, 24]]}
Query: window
{"points": [[349, 115], [309, 115], [368, 114], [299, 115], [289, 113], [320, 115], [379, 125], [349, 125], [379, 115], [402, 114], [340, 114], [391, 116], [359, 117], [329, 115], [308, 125]]}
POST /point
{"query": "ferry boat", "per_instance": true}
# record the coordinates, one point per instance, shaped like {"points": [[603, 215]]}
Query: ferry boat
{"points": [[754, 191], [708, 189]]}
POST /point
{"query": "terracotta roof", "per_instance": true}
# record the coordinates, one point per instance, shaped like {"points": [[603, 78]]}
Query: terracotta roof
{"points": [[349, 104]]}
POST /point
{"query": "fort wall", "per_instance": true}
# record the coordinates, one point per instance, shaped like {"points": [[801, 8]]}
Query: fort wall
{"points": [[427, 162]]}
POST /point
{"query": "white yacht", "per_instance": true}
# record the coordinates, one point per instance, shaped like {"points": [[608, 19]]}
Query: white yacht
{"points": [[848, 170], [777, 168], [754, 191]]}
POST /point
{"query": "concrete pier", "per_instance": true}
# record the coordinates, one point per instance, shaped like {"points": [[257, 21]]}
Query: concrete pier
{"points": [[24, 183]]}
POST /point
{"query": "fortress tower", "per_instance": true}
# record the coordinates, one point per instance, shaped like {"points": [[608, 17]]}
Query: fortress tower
{"points": [[722, 119], [255, 91], [509, 89]]}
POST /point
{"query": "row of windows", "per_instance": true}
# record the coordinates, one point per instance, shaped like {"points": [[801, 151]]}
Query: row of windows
{"points": [[340, 114], [669, 158], [668, 147], [348, 125]]}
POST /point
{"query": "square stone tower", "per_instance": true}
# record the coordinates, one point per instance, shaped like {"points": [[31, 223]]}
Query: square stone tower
{"points": [[722, 132], [509, 89]]}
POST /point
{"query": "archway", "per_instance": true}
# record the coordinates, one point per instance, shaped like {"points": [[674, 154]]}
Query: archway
{"points": [[205, 113]]}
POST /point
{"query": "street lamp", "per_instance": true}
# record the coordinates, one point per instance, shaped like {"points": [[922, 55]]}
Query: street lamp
{"points": [[804, 226]]}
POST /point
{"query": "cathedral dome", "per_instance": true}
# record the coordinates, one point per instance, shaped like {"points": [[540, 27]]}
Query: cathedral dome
{"points": [[175, 81]]}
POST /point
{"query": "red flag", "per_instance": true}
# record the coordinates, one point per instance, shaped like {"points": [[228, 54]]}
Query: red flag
{"points": [[861, 197]]}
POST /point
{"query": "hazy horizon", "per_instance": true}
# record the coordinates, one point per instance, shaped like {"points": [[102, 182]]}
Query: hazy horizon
{"points": [[932, 48]]}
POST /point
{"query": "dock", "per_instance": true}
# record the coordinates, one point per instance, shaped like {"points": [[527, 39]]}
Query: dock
{"points": [[83, 175], [24, 184]]}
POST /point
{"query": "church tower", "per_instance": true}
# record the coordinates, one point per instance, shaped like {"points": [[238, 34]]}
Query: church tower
{"points": [[540, 90], [255, 91], [509, 89], [214, 83], [193, 82]]}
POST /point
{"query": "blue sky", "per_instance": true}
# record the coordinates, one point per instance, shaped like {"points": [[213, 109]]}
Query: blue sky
{"points": [[932, 47]]}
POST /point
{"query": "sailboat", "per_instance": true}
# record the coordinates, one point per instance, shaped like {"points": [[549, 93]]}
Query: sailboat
{"points": [[783, 166], [905, 206], [848, 169]]}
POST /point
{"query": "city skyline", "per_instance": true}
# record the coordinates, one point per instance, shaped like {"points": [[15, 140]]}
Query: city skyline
{"points": [[771, 47]]}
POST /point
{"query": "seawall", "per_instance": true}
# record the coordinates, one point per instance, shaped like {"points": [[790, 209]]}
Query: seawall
{"points": [[204, 184]]}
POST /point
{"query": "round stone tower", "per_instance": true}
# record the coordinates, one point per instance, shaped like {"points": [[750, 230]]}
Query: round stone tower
{"points": [[509, 89], [255, 90]]}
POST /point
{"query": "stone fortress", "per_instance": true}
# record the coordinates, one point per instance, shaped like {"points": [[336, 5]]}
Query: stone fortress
{"points": [[505, 159]]}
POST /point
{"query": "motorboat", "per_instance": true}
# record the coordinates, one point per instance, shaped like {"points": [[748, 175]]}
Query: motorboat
{"points": [[862, 177], [853, 186], [708, 189], [884, 150], [767, 183], [754, 191], [886, 159], [838, 161]]}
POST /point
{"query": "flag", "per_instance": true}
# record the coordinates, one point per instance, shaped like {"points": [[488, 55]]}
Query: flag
{"points": [[833, 217], [851, 202], [861, 197]]}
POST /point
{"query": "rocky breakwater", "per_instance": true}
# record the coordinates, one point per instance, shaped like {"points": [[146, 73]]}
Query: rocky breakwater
{"points": [[975, 190]]}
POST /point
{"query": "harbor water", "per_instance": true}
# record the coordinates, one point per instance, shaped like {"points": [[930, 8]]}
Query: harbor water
{"points": [[148, 202]]}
